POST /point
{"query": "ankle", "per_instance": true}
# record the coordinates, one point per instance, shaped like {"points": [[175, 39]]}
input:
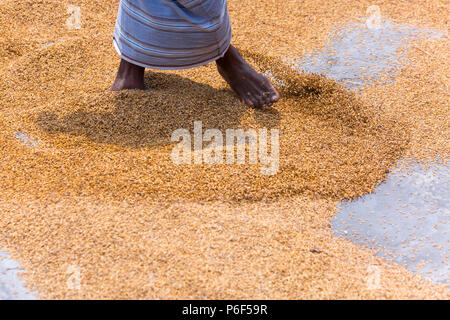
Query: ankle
{"points": [[128, 70], [231, 58]]}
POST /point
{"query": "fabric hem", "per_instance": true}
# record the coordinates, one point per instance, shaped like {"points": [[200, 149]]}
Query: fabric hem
{"points": [[130, 60]]}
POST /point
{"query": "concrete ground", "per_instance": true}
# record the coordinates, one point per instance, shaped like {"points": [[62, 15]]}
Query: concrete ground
{"points": [[11, 286]]}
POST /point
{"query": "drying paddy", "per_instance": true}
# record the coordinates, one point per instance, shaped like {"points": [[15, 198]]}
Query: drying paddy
{"points": [[93, 207]]}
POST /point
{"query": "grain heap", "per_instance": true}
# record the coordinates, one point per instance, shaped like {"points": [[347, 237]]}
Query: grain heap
{"points": [[99, 187]]}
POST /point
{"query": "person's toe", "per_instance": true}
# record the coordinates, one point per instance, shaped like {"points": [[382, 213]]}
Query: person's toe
{"points": [[262, 96], [260, 103], [248, 101], [266, 98], [246, 97], [273, 94]]}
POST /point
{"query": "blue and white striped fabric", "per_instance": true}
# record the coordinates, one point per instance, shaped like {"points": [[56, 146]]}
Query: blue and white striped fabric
{"points": [[172, 34]]}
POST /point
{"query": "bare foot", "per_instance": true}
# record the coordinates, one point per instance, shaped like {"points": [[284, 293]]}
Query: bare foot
{"points": [[253, 88], [129, 76]]}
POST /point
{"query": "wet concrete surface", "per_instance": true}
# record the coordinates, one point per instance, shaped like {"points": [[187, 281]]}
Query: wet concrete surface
{"points": [[406, 219], [356, 53], [11, 286], [26, 140]]}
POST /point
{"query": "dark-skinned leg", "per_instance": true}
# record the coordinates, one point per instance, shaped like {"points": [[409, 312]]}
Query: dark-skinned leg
{"points": [[253, 88], [129, 76]]}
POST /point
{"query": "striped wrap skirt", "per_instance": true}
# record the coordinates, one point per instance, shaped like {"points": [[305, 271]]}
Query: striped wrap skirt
{"points": [[172, 34]]}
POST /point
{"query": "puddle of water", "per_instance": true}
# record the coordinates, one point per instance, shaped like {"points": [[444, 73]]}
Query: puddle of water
{"points": [[406, 219], [11, 286], [25, 139], [45, 45], [355, 50]]}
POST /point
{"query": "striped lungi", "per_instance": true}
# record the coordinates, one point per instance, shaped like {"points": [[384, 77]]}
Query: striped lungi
{"points": [[172, 34]]}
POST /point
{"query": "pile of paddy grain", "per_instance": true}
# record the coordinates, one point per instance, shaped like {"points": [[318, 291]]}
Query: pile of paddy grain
{"points": [[94, 142]]}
